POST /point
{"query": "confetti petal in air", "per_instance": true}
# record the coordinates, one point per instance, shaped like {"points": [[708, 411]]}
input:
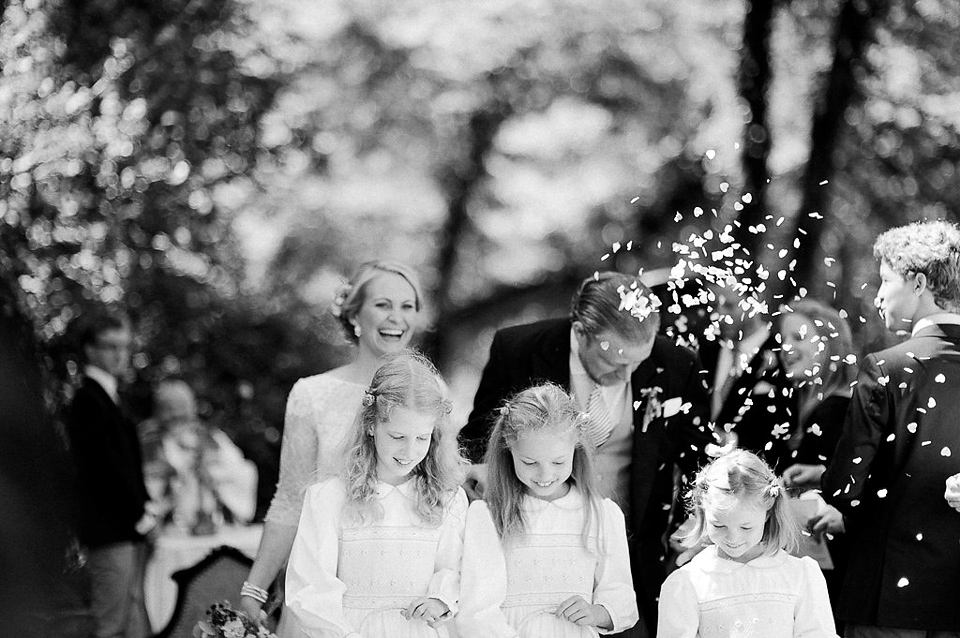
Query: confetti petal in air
{"points": [[940, 378], [903, 582], [945, 452], [710, 154]]}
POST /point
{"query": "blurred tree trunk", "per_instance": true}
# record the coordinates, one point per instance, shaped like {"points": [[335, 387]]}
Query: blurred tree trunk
{"points": [[460, 182], [753, 84], [851, 38]]}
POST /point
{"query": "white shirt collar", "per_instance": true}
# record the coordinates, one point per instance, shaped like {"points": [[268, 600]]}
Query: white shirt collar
{"points": [[106, 380], [934, 319]]}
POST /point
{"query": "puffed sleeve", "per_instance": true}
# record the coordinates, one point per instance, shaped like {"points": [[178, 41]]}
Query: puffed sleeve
{"points": [[298, 456], [679, 609], [613, 587], [483, 578], [314, 594], [813, 617], [445, 584]]}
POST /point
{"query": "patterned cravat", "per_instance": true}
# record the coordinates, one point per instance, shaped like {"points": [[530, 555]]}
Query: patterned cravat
{"points": [[601, 423]]}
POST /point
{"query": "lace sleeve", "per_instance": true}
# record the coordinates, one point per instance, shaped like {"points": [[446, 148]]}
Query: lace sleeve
{"points": [[298, 457]]}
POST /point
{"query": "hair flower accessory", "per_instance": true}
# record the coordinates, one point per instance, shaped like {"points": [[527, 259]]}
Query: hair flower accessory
{"points": [[505, 411], [654, 408], [369, 398], [336, 308]]}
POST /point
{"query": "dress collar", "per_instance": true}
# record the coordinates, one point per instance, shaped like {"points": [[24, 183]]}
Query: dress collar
{"points": [[709, 560], [406, 488], [572, 500]]}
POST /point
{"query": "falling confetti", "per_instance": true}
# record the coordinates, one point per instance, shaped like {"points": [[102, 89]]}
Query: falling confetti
{"points": [[903, 582], [945, 452], [940, 378]]}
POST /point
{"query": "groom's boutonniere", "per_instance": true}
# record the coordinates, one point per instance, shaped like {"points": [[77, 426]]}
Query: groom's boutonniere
{"points": [[654, 408]]}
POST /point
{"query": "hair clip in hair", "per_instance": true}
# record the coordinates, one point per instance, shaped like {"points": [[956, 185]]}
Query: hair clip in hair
{"points": [[369, 398], [505, 411], [336, 308]]}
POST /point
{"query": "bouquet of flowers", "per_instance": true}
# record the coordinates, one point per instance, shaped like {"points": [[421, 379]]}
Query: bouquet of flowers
{"points": [[226, 622]]}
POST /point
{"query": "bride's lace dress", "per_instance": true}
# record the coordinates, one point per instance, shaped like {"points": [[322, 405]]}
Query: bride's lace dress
{"points": [[320, 412]]}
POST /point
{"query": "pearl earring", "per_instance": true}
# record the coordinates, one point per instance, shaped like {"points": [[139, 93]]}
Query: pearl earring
{"points": [[356, 330]]}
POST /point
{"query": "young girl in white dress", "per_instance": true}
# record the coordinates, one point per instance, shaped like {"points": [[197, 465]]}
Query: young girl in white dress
{"points": [[543, 555], [744, 583], [378, 549]]}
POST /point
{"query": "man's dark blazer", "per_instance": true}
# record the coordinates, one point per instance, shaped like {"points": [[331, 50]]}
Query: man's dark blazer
{"points": [[900, 442], [524, 355], [109, 468], [761, 408]]}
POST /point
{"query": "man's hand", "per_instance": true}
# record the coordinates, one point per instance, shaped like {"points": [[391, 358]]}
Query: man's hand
{"points": [[475, 481], [580, 612], [429, 610], [803, 476], [830, 521]]}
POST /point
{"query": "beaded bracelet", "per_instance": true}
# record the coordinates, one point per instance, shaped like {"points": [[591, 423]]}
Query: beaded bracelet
{"points": [[259, 594]]}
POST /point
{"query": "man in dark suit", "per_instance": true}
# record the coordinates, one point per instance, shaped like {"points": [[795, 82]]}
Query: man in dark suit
{"points": [[650, 391], [900, 443], [113, 517]]}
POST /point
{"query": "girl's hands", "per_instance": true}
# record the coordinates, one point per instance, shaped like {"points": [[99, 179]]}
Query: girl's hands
{"points": [[430, 610], [580, 612], [952, 493]]}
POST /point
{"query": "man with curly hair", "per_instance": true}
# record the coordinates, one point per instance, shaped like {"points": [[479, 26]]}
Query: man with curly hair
{"points": [[900, 443]]}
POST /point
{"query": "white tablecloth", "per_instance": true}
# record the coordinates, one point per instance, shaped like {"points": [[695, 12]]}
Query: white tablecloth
{"points": [[175, 551]]}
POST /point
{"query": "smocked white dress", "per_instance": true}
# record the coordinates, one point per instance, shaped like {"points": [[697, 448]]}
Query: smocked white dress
{"points": [[345, 579], [320, 412], [771, 596], [513, 589]]}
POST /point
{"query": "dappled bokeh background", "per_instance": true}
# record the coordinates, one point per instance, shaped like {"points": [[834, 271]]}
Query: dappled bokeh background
{"points": [[217, 166]]}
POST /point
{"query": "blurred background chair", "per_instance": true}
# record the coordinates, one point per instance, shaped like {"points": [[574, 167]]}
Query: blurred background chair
{"points": [[214, 579]]}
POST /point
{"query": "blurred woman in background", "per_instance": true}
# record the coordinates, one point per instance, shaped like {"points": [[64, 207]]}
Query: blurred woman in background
{"points": [[817, 353]]}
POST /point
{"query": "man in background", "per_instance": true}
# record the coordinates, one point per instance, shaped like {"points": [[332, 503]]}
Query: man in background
{"points": [[112, 495]]}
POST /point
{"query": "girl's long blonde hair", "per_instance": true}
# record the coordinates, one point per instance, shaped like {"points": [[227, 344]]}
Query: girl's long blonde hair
{"points": [[542, 408], [732, 478], [407, 380]]}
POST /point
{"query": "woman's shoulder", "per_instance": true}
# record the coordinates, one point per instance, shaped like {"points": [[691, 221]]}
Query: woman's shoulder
{"points": [[329, 379]]}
